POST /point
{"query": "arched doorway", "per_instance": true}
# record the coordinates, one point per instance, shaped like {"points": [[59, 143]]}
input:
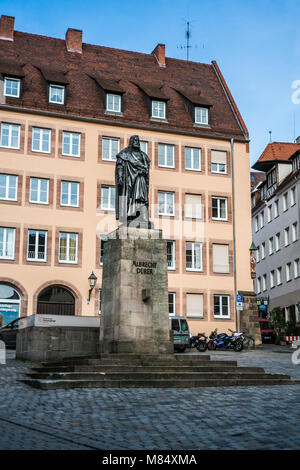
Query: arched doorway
{"points": [[10, 302], [56, 300]]}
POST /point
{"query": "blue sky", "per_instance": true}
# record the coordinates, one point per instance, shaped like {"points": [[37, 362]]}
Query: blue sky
{"points": [[256, 44]]}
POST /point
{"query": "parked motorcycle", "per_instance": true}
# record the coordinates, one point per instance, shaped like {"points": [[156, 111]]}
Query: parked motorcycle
{"points": [[224, 341], [198, 343]]}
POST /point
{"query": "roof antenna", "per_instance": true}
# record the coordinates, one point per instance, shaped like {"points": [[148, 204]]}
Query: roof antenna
{"points": [[187, 45], [270, 132]]}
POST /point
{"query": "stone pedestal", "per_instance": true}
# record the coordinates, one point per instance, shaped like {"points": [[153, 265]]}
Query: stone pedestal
{"points": [[135, 293], [249, 317]]}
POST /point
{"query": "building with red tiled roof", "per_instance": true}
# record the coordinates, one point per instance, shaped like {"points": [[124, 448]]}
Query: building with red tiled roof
{"points": [[275, 151], [66, 109]]}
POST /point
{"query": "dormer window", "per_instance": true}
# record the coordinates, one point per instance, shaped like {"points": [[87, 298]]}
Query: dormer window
{"points": [[113, 103], [201, 115], [12, 87], [158, 109], [56, 94]]}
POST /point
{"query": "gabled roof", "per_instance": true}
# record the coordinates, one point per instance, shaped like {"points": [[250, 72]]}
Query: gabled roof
{"points": [[275, 152], [123, 68]]}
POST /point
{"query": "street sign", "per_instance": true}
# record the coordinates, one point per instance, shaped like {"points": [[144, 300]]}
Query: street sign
{"points": [[239, 298], [240, 305]]}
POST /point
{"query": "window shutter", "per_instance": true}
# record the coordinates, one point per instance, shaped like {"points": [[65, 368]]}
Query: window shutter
{"points": [[220, 259], [193, 207], [194, 305], [218, 156]]}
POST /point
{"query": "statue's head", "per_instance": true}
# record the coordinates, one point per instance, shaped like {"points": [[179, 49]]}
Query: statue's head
{"points": [[134, 142]]}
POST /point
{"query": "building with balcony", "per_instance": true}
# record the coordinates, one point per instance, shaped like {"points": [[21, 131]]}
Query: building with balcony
{"points": [[66, 109]]}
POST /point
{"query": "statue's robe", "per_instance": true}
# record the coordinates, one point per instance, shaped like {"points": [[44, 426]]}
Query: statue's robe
{"points": [[132, 183]]}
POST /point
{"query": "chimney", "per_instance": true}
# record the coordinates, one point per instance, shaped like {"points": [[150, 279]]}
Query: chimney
{"points": [[74, 40], [7, 27], [159, 54]]}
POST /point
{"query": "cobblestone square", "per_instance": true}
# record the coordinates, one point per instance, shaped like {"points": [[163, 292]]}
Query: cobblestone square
{"points": [[266, 417]]}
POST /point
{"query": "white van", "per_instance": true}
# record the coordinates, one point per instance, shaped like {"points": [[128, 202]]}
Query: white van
{"points": [[181, 332]]}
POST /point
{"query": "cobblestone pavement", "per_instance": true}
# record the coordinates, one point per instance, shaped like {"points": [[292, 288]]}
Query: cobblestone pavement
{"points": [[154, 419]]}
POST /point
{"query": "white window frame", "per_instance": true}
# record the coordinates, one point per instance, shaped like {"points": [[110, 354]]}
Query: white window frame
{"points": [[144, 143], [296, 268], [272, 279], [38, 191], [288, 271], [286, 236], [60, 87], [110, 140], [271, 246], [194, 245], [258, 254], [219, 315], [293, 196], [193, 150], [5, 237], [173, 294], [69, 193], [256, 224], [263, 250], [158, 109], [12, 79], [7, 187], [116, 102], [219, 208], [264, 282], [111, 198], [165, 203], [203, 116], [285, 202], [68, 260], [172, 264], [294, 232], [10, 127], [261, 219], [258, 285], [36, 252], [279, 276], [269, 212], [276, 209], [42, 132], [165, 156], [277, 242], [72, 136]]}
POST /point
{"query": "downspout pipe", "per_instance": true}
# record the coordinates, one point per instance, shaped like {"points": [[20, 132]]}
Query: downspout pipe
{"points": [[237, 312]]}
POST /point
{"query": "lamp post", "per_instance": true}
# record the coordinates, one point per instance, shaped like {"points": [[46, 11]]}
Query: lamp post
{"points": [[92, 282]]}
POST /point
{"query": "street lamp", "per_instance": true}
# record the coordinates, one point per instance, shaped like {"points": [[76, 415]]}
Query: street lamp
{"points": [[92, 282]]}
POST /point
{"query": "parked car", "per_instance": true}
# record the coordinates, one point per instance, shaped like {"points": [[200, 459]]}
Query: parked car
{"points": [[267, 332], [8, 333], [181, 333]]}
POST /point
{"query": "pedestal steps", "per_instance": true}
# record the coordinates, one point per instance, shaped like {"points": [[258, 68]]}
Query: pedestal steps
{"points": [[137, 371]]}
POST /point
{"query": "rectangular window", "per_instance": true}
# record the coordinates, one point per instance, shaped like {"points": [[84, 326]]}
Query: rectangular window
{"points": [[171, 254], [285, 202], [12, 87], [264, 282], [113, 103], [192, 159], [277, 241], [257, 254], [166, 155], [201, 115], [296, 268], [8, 187], [37, 245], [159, 109], [219, 208], [144, 146], [10, 135], [293, 196], [279, 276], [258, 285], [108, 201], [286, 236], [165, 203], [218, 161], [102, 241], [294, 231], [263, 250], [220, 258], [271, 246], [193, 256], [69, 195], [256, 223], [261, 219], [172, 303], [221, 306], [68, 247], [193, 206], [7, 243], [194, 305], [272, 284], [56, 94], [39, 190], [71, 144], [288, 272], [276, 209], [110, 148], [269, 213], [41, 140]]}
